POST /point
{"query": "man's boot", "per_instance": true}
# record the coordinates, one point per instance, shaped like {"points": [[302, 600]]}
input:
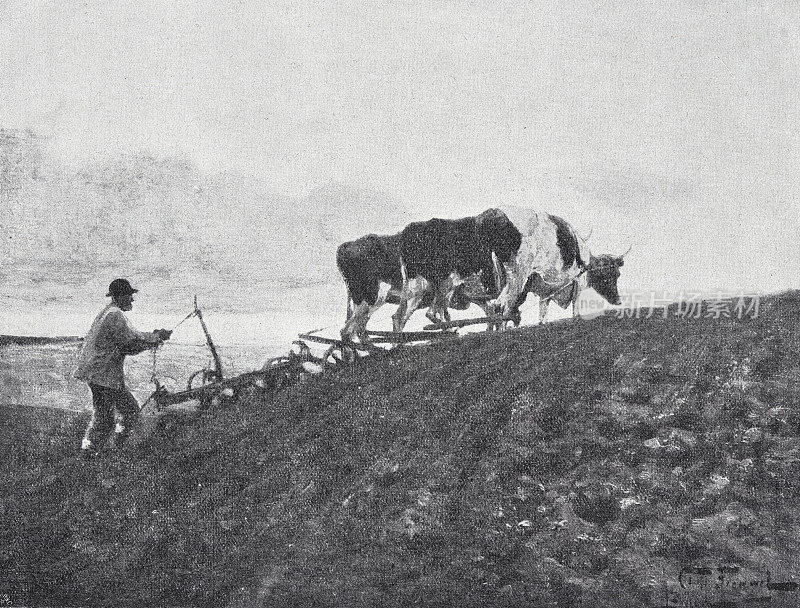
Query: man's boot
{"points": [[120, 435], [88, 451]]}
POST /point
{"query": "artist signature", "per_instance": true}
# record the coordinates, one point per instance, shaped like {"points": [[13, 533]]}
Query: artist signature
{"points": [[726, 586]]}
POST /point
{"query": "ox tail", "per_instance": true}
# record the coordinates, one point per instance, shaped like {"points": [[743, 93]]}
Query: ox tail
{"points": [[399, 317], [403, 272], [350, 309]]}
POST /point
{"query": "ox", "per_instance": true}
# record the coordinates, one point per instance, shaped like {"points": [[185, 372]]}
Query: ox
{"points": [[440, 255], [372, 270], [554, 263]]}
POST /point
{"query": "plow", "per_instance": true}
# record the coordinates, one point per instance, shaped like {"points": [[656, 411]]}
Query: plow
{"points": [[210, 386]]}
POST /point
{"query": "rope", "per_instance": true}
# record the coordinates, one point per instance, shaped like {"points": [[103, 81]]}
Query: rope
{"points": [[154, 369], [186, 318], [153, 373], [319, 329]]}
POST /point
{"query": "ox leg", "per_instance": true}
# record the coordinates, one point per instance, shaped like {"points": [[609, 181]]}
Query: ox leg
{"points": [[488, 312], [516, 280], [514, 313], [442, 301], [351, 329], [543, 304], [520, 301], [399, 314], [444, 294], [499, 275], [349, 312], [573, 299], [521, 298], [576, 315], [431, 314], [438, 310], [356, 325], [411, 300], [411, 305]]}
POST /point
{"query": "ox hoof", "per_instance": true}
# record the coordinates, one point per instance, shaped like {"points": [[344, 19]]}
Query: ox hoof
{"points": [[433, 318]]}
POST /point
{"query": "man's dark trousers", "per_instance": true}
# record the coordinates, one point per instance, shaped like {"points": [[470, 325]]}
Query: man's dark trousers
{"points": [[105, 401]]}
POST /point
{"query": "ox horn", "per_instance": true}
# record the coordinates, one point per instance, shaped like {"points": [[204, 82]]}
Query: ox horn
{"points": [[588, 236], [627, 252]]}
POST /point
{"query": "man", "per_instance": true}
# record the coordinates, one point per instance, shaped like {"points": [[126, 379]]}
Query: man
{"points": [[109, 340]]}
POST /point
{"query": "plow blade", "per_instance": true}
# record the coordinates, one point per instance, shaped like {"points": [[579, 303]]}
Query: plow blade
{"points": [[164, 397]]}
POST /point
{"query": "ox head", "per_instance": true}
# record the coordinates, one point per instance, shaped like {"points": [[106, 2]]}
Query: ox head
{"points": [[499, 233], [603, 274]]}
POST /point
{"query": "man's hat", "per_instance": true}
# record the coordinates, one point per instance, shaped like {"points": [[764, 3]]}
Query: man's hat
{"points": [[120, 287]]}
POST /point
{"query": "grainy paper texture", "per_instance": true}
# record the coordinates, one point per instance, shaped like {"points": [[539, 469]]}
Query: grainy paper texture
{"points": [[226, 149]]}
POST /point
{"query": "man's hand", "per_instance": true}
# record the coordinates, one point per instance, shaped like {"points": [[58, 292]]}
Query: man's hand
{"points": [[163, 334]]}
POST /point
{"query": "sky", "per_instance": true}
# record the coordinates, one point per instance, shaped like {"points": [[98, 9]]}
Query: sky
{"points": [[671, 127]]}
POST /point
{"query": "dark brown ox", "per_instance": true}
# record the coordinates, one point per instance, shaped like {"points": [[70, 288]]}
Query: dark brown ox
{"points": [[439, 255], [372, 270]]}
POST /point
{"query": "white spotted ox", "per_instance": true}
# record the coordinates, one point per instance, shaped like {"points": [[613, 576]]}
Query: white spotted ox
{"points": [[554, 263]]}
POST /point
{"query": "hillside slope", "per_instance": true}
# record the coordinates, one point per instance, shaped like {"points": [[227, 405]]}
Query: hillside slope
{"points": [[560, 465]]}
